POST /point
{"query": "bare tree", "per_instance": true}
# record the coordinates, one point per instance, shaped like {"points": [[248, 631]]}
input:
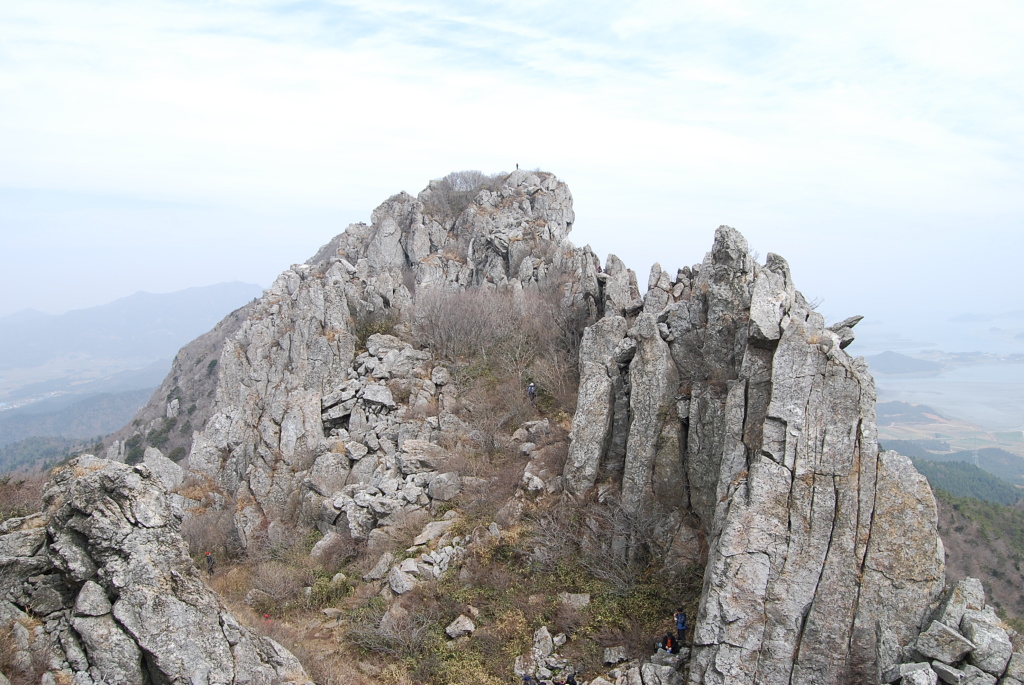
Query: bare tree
{"points": [[448, 197]]}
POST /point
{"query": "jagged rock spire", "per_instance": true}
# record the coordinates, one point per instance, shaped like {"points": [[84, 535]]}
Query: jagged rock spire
{"points": [[746, 413]]}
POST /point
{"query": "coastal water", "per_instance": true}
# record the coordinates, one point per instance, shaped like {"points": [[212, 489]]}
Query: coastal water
{"points": [[990, 395]]}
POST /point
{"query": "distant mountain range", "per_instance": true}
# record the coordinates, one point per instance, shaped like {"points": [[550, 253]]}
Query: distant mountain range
{"points": [[894, 362], [92, 417], [85, 373], [142, 326]]}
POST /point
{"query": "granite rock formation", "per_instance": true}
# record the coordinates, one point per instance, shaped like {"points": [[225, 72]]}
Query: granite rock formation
{"points": [[718, 402], [292, 393], [745, 411], [106, 578]]}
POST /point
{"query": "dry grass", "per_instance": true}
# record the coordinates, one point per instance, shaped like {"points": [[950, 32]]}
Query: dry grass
{"points": [[21, 496], [23, 668], [211, 530]]}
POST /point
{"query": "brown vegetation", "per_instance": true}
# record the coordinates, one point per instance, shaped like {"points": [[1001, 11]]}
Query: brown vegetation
{"points": [[21, 495]]}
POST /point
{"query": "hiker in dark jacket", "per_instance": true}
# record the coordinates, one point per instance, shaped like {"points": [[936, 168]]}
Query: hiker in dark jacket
{"points": [[680, 625], [209, 563]]}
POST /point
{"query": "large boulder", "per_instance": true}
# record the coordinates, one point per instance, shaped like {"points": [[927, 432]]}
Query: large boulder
{"points": [[120, 599], [943, 643], [993, 647]]}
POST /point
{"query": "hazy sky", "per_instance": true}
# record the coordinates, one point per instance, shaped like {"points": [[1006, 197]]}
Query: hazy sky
{"points": [[160, 145]]}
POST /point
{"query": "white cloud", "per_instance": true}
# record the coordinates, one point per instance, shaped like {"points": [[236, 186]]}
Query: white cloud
{"points": [[850, 130]]}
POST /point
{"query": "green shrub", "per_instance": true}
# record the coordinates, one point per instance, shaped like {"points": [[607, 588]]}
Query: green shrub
{"points": [[134, 455]]}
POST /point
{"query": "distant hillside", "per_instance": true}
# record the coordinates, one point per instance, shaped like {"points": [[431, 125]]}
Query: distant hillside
{"points": [[962, 479], [38, 452], [894, 363], [917, 448], [142, 326], [93, 416], [997, 462], [70, 393], [985, 540], [888, 413]]}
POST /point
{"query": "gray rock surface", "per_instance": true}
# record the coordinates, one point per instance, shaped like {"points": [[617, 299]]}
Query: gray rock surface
{"points": [[993, 648], [948, 674], [461, 626], [922, 677], [718, 404], [290, 379], [614, 655], [746, 412], [975, 676], [592, 423], [941, 642], [144, 612], [896, 673], [170, 474], [966, 594], [1015, 667]]}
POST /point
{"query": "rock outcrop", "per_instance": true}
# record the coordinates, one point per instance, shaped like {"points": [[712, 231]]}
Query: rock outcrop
{"points": [[292, 394], [745, 411], [183, 402], [106, 577], [718, 404]]}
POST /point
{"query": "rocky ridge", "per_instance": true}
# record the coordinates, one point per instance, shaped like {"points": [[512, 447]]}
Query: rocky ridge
{"points": [[718, 404], [292, 393]]}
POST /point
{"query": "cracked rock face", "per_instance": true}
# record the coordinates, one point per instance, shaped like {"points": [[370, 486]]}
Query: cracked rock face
{"points": [[106, 570], [745, 411]]}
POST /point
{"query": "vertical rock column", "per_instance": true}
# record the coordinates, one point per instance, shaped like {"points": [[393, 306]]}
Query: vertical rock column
{"points": [[791, 589], [592, 423]]}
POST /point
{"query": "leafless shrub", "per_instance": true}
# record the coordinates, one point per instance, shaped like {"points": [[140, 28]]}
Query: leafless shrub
{"points": [[462, 324], [365, 324], [614, 544], [495, 413], [282, 584], [397, 633], [448, 197], [211, 530], [556, 535], [568, 619], [486, 332]]}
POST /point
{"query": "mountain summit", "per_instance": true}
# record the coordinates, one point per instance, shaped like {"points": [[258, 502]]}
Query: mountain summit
{"points": [[459, 369]]}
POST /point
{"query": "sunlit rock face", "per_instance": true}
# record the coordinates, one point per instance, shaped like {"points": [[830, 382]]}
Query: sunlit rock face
{"points": [[746, 414]]}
